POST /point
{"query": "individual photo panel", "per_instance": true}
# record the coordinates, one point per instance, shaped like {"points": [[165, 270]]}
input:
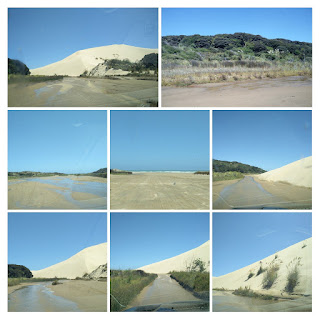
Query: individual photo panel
{"points": [[83, 57], [159, 160], [262, 160], [57, 160], [236, 57], [165, 264], [57, 262], [262, 262]]}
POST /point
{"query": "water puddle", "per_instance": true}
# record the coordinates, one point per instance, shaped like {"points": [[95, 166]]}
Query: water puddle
{"points": [[41, 90], [39, 298]]}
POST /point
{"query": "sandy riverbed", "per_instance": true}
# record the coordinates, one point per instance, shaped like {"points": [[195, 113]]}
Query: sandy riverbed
{"points": [[155, 190]]}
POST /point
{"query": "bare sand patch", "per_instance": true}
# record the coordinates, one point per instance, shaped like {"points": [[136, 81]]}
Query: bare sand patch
{"points": [[33, 194], [89, 295], [87, 178], [155, 190], [281, 92]]}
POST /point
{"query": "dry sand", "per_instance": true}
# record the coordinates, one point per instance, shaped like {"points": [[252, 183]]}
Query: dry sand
{"points": [[89, 295], [298, 173], [87, 178], [84, 92], [83, 262], [33, 194], [155, 190], [285, 259], [87, 59], [180, 262], [282, 92]]}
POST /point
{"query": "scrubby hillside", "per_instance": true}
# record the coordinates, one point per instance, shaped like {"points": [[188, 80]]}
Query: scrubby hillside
{"points": [[225, 166]]}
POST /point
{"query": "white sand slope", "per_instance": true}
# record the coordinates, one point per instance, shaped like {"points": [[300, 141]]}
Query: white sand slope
{"points": [[180, 262], [298, 173], [83, 262], [286, 260], [87, 59]]}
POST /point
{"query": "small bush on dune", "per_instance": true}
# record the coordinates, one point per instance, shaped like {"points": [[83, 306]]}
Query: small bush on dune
{"points": [[250, 275], [270, 276], [293, 275]]}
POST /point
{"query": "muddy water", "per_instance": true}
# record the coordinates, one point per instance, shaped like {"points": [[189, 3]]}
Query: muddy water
{"points": [[227, 302], [38, 298], [247, 193], [162, 290]]}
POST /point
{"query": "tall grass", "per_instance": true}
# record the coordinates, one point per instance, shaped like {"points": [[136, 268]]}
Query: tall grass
{"points": [[293, 275], [18, 78], [229, 175], [16, 281], [192, 281], [270, 275], [125, 285]]}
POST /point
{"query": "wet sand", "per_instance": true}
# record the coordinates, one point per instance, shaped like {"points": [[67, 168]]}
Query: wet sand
{"points": [[224, 301], [88, 295], [281, 92], [218, 186], [84, 92], [24, 194], [155, 190], [162, 290]]}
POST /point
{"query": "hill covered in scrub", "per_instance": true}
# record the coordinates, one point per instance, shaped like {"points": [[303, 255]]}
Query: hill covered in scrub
{"points": [[17, 67], [18, 271], [227, 166], [234, 47]]}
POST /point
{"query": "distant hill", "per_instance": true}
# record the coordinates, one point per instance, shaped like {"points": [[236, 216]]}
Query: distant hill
{"points": [[17, 67], [83, 61], [237, 46], [225, 166], [18, 271]]}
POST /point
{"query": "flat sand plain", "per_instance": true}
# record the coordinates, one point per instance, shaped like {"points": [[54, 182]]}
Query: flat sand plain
{"points": [[154, 190], [37, 195], [218, 186], [89, 295], [84, 92], [281, 92]]}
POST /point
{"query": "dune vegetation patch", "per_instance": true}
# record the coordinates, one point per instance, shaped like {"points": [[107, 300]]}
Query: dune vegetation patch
{"points": [[125, 285], [293, 274], [270, 275], [247, 292], [229, 175]]}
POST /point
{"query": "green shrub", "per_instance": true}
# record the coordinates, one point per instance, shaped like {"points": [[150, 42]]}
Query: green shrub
{"points": [[270, 276], [293, 275]]}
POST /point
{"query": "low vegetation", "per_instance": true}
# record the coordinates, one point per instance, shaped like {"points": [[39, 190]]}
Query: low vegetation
{"points": [[17, 67], [125, 285], [231, 57], [202, 172], [247, 292], [270, 275], [293, 275], [16, 281], [30, 174], [229, 175], [117, 171], [261, 269], [196, 282], [15, 78], [250, 275]]}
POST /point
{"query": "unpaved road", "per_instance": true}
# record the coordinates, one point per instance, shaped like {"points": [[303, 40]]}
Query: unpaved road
{"points": [[160, 191], [84, 92], [162, 290], [249, 194], [281, 92], [227, 302]]}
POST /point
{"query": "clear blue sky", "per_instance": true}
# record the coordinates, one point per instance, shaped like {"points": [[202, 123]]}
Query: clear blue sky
{"points": [[57, 141], [266, 139], [240, 239], [286, 23], [160, 140], [40, 36], [39, 240], [138, 239]]}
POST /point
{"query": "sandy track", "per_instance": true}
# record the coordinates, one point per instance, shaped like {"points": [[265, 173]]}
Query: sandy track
{"points": [[160, 191], [162, 290], [89, 295], [251, 192], [282, 92], [85, 92]]}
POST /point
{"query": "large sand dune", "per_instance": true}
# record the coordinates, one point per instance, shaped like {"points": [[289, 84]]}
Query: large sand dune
{"points": [[83, 262], [286, 260], [180, 262], [298, 173], [86, 60]]}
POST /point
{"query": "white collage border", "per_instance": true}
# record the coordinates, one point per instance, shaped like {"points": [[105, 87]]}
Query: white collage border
{"points": [[159, 4]]}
